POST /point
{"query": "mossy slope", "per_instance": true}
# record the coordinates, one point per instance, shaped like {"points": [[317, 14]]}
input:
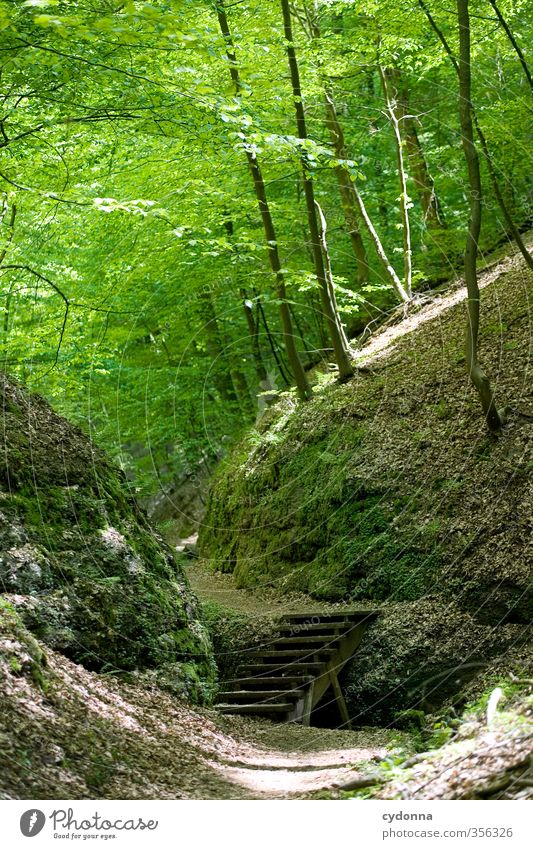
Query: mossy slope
{"points": [[79, 559], [389, 489], [389, 486]]}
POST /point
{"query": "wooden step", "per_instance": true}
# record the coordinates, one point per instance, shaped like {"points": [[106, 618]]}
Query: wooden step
{"points": [[292, 682], [311, 668], [258, 695], [283, 654], [285, 678], [257, 708], [329, 618], [322, 640], [296, 630]]}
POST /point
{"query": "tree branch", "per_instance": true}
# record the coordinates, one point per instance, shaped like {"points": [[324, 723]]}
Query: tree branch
{"points": [[55, 287]]}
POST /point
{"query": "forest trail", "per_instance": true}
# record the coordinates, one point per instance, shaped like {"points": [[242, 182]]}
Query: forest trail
{"points": [[289, 760], [220, 588], [227, 205], [94, 736]]}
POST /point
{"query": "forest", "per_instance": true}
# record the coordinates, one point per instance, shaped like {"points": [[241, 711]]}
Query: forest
{"points": [[265, 479]]}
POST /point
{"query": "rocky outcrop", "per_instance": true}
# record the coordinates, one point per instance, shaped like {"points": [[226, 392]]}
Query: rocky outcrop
{"points": [[79, 560], [421, 654]]}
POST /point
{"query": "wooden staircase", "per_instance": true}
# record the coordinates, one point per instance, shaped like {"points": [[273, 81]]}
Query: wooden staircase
{"points": [[286, 679]]}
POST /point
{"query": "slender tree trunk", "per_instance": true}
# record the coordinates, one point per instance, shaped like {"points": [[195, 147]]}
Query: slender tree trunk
{"points": [[342, 355], [11, 233], [329, 273], [301, 334], [302, 383], [3, 253], [514, 42], [7, 312], [253, 330], [300, 377], [424, 183], [318, 317], [477, 375], [348, 201], [388, 268], [263, 380], [425, 186], [513, 229], [356, 200], [274, 347], [314, 297], [242, 390], [402, 175], [238, 378], [221, 375], [240, 382], [349, 206], [352, 202]]}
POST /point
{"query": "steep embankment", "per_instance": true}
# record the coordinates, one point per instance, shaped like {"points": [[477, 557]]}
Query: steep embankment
{"points": [[389, 488], [79, 561]]}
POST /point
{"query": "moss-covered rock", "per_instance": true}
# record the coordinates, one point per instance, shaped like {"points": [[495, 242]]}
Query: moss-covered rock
{"points": [[418, 655], [20, 653], [79, 560]]}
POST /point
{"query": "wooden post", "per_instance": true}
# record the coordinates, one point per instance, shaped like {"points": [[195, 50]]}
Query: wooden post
{"points": [[308, 704], [339, 696]]}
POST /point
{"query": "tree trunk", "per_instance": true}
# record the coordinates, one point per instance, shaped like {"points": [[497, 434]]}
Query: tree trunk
{"points": [[514, 42], [301, 334], [355, 199], [221, 375], [253, 330], [424, 183], [329, 273], [342, 355], [274, 347], [349, 204], [242, 390], [404, 197], [355, 204], [513, 229], [477, 375], [238, 377], [266, 385], [3, 253], [302, 384]]}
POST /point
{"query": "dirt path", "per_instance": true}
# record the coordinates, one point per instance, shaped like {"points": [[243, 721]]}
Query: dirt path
{"points": [[282, 761], [92, 736], [89, 736], [220, 589], [262, 760]]}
